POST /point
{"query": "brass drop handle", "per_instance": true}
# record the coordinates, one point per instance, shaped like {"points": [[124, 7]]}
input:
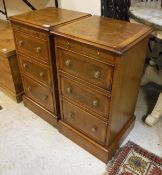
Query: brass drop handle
{"points": [[68, 63], [29, 89], [94, 129], [38, 49], [95, 103], [98, 53], [21, 43], [25, 65], [69, 90], [71, 115], [97, 74], [41, 74], [45, 97]]}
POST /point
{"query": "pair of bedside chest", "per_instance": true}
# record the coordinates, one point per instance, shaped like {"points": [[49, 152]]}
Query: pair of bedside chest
{"points": [[81, 73]]}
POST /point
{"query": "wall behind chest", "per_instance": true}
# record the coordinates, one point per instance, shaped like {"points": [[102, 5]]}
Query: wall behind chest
{"points": [[90, 6]]}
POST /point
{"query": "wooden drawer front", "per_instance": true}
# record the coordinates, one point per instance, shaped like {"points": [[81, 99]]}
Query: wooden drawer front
{"points": [[4, 64], [35, 70], [84, 96], [85, 49], [83, 121], [6, 79], [38, 93], [29, 31], [32, 46], [87, 69]]}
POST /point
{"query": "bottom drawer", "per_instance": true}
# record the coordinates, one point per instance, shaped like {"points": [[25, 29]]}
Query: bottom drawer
{"points": [[85, 122], [38, 93]]}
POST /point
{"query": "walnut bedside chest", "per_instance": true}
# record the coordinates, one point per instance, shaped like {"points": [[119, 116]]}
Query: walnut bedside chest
{"points": [[36, 56], [100, 63], [10, 79]]}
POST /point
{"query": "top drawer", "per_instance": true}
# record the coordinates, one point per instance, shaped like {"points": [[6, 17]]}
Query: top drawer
{"points": [[29, 31], [86, 69], [32, 46], [85, 49]]}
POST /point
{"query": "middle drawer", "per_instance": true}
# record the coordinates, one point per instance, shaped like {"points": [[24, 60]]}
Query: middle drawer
{"points": [[86, 97], [35, 70]]}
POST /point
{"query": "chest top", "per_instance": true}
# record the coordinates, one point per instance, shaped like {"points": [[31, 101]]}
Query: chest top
{"points": [[48, 17], [115, 35], [7, 46]]}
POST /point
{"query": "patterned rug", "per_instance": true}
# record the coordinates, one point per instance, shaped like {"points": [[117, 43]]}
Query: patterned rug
{"points": [[134, 160]]}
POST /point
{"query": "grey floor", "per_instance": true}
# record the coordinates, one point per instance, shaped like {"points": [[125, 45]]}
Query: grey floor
{"points": [[30, 146], [149, 138]]}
